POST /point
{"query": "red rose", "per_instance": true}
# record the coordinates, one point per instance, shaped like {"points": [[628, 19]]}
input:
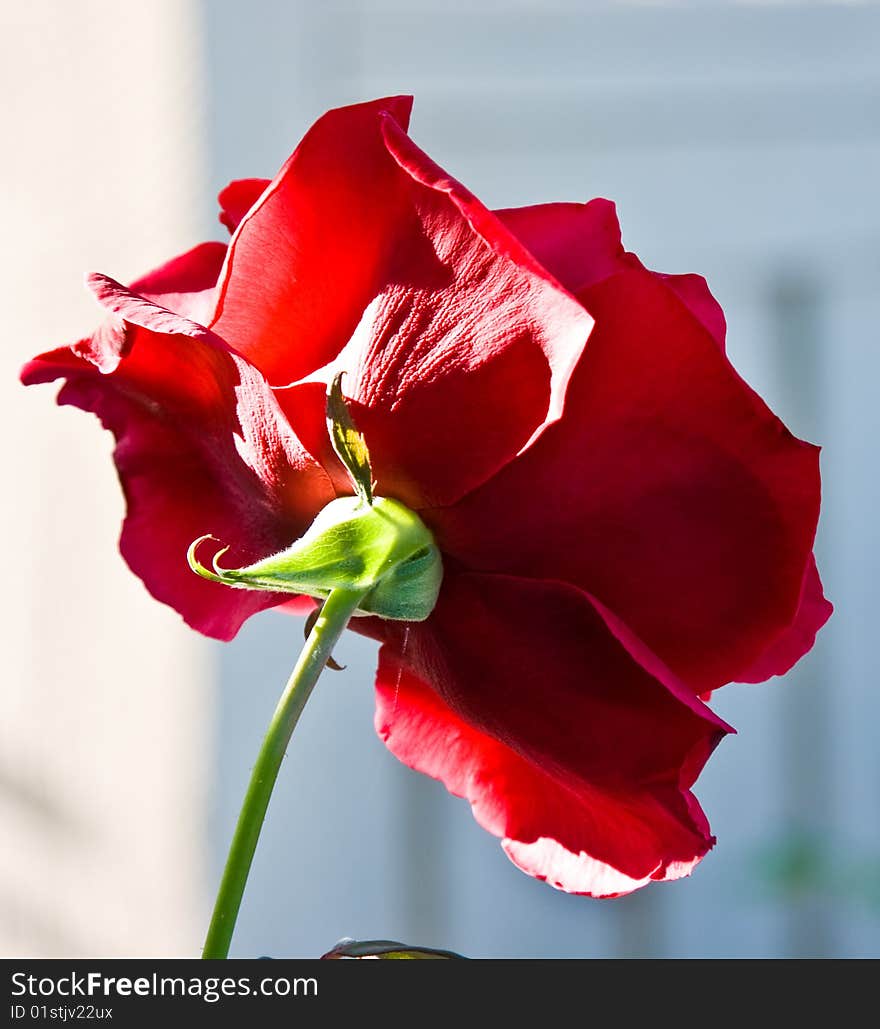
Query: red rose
{"points": [[624, 524]]}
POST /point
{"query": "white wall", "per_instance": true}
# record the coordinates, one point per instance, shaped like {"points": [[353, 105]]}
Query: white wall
{"points": [[103, 722]]}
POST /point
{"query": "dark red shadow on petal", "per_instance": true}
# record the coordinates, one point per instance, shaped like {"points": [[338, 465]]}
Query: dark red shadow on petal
{"points": [[577, 243], [694, 293], [518, 696], [305, 408], [795, 641], [669, 491], [463, 419]]}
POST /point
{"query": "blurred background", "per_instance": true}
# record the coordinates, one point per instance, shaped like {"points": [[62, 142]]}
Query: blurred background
{"points": [[739, 140]]}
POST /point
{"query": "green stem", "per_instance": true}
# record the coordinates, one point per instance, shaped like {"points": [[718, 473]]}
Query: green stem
{"points": [[337, 610]]}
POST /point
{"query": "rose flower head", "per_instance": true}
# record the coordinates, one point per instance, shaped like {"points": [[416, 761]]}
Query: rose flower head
{"points": [[622, 523]]}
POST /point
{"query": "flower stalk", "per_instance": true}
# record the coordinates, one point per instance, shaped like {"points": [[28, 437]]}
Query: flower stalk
{"points": [[335, 614]]}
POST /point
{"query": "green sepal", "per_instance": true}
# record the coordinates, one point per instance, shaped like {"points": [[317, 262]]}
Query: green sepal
{"points": [[383, 550], [348, 441]]}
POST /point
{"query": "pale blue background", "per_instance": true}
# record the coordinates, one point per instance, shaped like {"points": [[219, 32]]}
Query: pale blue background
{"points": [[741, 141]]}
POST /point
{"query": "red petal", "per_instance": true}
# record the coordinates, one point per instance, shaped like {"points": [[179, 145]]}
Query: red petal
{"points": [[238, 198], [175, 491], [201, 448], [798, 638], [693, 291], [184, 286], [308, 258], [472, 335], [578, 243], [369, 257], [304, 407], [669, 491], [138, 310], [519, 698]]}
